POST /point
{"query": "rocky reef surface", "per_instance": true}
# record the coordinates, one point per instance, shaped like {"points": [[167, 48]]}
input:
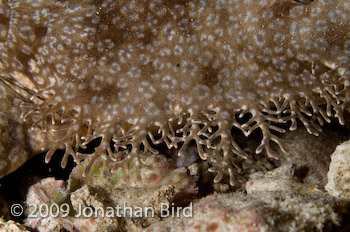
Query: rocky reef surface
{"points": [[304, 191]]}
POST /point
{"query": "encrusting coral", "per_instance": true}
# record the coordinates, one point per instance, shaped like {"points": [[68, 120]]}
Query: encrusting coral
{"points": [[338, 174], [164, 183], [265, 211], [146, 72]]}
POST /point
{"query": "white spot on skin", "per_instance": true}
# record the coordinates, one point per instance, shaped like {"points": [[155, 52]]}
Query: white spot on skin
{"points": [[187, 100], [152, 110], [128, 110], [81, 86], [259, 38], [123, 96], [322, 44]]}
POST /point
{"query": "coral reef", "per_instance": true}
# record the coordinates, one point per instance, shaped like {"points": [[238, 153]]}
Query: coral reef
{"points": [[164, 183], [305, 169], [286, 198], [11, 226], [339, 172], [163, 172], [311, 156], [267, 211], [280, 179], [47, 192], [136, 74]]}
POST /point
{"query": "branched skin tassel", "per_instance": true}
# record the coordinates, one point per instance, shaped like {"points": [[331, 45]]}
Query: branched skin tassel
{"points": [[144, 72]]}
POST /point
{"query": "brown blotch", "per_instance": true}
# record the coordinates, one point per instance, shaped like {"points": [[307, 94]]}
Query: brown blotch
{"points": [[172, 3], [302, 66], [212, 227], [40, 32], [209, 76], [106, 30], [24, 60], [282, 8], [4, 19]]}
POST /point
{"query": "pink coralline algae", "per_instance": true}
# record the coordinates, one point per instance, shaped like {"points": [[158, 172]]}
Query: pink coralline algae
{"points": [[139, 73]]}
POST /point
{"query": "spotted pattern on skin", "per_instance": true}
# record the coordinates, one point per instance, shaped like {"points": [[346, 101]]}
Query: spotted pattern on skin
{"points": [[120, 69]]}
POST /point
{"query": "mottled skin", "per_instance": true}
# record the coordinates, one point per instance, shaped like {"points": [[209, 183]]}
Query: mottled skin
{"points": [[123, 69], [18, 142]]}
